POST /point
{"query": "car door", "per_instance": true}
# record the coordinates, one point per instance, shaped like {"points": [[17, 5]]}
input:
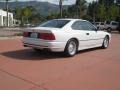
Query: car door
{"points": [[95, 36], [86, 33]]}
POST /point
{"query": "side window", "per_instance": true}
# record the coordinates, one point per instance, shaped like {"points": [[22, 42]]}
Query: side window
{"points": [[114, 23], [83, 25], [77, 25], [89, 25]]}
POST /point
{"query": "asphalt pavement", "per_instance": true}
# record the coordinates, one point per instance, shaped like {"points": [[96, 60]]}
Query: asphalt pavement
{"points": [[94, 69]]}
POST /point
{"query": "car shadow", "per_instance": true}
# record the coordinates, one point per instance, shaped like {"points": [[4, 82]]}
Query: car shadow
{"points": [[29, 54], [89, 50]]}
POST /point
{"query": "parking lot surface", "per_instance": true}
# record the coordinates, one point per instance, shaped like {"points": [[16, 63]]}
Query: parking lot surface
{"points": [[23, 69]]}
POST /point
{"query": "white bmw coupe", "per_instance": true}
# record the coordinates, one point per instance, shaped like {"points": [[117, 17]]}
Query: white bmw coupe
{"points": [[65, 35]]}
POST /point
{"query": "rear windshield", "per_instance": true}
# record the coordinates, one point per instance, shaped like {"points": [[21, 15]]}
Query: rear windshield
{"points": [[55, 23]]}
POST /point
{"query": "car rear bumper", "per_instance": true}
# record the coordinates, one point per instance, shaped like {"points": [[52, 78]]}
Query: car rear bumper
{"points": [[43, 44]]}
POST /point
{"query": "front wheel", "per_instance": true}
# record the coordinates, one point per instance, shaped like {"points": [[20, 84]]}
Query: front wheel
{"points": [[119, 31], [105, 42], [71, 48]]}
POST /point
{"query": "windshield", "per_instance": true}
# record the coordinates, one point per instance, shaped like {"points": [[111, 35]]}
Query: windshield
{"points": [[55, 23]]}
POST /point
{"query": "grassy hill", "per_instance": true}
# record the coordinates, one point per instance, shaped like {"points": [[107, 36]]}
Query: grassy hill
{"points": [[44, 8]]}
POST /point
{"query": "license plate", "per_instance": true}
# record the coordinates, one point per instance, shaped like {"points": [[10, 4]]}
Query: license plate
{"points": [[34, 35]]}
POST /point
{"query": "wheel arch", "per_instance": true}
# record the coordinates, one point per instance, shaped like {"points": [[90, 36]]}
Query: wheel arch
{"points": [[108, 36], [77, 41]]}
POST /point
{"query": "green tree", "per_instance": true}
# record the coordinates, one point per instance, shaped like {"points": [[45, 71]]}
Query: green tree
{"points": [[19, 14], [23, 14], [101, 12], [92, 10], [61, 7], [106, 2], [113, 12], [71, 11], [27, 13], [81, 8], [36, 19]]}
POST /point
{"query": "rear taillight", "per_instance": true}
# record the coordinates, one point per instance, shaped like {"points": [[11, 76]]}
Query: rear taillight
{"points": [[47, 36], [26, 34]]}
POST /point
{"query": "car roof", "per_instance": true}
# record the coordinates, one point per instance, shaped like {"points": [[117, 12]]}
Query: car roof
{"points": [[71, 19]]}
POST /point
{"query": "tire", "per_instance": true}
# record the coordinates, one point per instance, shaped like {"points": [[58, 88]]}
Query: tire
{"points": [[105, 42], [71, 48], [109, 30], [36, 50], [119, 31]]}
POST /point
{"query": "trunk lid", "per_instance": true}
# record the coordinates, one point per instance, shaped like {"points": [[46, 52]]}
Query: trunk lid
{"points": [[40, 29]]}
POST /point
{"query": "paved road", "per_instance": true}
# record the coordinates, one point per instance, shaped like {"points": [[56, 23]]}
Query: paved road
{"points": [[23, 69]]}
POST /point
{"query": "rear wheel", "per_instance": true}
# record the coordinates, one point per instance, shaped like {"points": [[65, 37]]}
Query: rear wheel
{"points": [[36, 50], [105, 42], [71, 48]]}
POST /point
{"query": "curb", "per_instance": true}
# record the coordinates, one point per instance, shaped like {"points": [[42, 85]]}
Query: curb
{"points": [[12, 37]]}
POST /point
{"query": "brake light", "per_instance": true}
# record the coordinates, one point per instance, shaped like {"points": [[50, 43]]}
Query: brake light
{"points": [[26, 34], [47, 36]]}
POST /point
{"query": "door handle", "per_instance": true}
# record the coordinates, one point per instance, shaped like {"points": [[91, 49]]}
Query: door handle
{"points": [[87, 34]]}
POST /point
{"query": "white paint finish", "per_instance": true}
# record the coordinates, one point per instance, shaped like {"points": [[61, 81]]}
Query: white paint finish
{"points": [[94, 39]]}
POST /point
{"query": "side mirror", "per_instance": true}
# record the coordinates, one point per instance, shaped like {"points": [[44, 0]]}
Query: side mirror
{"points": [[98, 29]]}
